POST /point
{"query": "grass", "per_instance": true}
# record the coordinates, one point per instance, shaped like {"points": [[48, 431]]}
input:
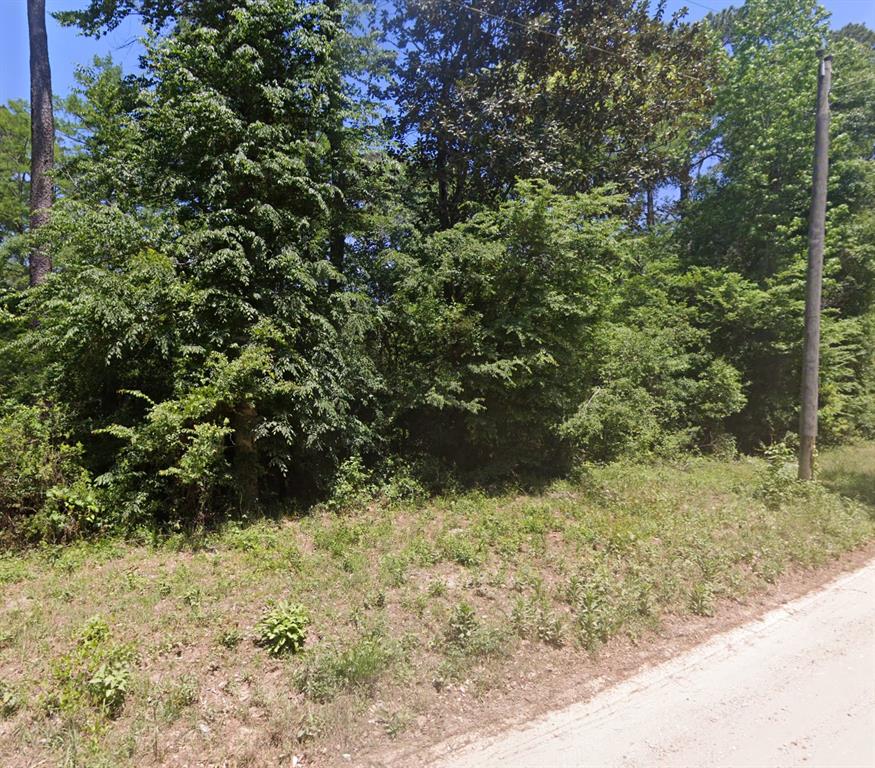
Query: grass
{"points": [[118, 653]]}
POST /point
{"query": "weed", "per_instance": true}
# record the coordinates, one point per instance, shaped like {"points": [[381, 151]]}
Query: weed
{"points": [[463, 626], [109, 686], [95, 672], [594, 615], [533, 619], [357, 666], [193, 597], [309, 728], [178, 697], [230, 638], [339, 537], [283, 629], [460, 548], [777, 483], [8, 700], [394, 723], [395, 568], [702, 599], [375, 599], [267, 546]]}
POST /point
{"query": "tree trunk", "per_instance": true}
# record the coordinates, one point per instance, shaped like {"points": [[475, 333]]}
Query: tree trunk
{"points": [[245, 456], [651, 209], [42, 132], [443, 186], [685, 182]]}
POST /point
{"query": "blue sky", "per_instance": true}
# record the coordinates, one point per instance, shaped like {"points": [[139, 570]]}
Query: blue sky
{"points": [[67, 49]]}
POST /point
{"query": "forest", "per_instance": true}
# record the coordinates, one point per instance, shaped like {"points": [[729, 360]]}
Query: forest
{"points": [[309, 247]]}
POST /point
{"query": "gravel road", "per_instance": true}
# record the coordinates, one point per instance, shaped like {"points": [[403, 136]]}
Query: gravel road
{"points": [[794, 688]]}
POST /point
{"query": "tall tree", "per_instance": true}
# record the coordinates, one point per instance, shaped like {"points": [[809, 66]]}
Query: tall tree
{"points": [[579, 94], [748, 211], [42, 131]]}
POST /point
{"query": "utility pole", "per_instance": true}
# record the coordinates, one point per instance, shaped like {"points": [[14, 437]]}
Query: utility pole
{"points": [[816, 233]]}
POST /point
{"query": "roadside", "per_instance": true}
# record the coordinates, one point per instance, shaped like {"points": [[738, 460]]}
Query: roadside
{"points": [[427, 619], [794, 687], [558, 681]]}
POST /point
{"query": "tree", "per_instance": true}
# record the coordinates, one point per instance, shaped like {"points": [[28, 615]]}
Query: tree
{"points": [[14, 168], [577, 94], [226, 226], [42, 135], [748, 213]]}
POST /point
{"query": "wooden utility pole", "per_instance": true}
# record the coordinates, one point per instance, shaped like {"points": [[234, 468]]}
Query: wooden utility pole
{"points": [[42, 133], [816, 233]]}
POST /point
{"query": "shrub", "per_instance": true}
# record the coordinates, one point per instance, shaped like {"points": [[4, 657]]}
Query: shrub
{"points": [[777, 483], [352, 485], [283, 629], [45, 493]]}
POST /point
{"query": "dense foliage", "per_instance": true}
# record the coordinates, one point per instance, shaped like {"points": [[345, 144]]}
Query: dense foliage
{"points": [[470, 243]]}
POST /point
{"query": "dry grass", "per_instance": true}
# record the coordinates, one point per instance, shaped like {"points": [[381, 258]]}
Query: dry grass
{"points": [[408, 605]]}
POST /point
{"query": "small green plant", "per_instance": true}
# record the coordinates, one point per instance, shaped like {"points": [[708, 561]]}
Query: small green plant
{"points": [[179, 696], [777, 481], [230, 638], [590, 603], [534, 620], [463, 626], [8, 700], [702, 599], [283, 629], [310, 727], [357, 666], [95, 672], [393, 723], [461, 549], [395, 568], [375, 599], [353, 485], [109, 686], [339, 537]]}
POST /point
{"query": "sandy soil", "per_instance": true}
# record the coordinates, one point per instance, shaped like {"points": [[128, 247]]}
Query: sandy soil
{"points": [[793, 688]]}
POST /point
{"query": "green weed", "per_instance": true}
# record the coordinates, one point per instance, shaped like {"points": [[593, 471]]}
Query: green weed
{"points": [[283, 629], [357, 666], [95, 672], [9, 703]]}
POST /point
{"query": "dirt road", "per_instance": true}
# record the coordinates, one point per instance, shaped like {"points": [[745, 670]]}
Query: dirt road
{"points": [[795, 688]]}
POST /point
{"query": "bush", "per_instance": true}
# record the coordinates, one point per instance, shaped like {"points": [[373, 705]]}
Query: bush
{"points": [[45, 493], [778, 481], [283, 629]]}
